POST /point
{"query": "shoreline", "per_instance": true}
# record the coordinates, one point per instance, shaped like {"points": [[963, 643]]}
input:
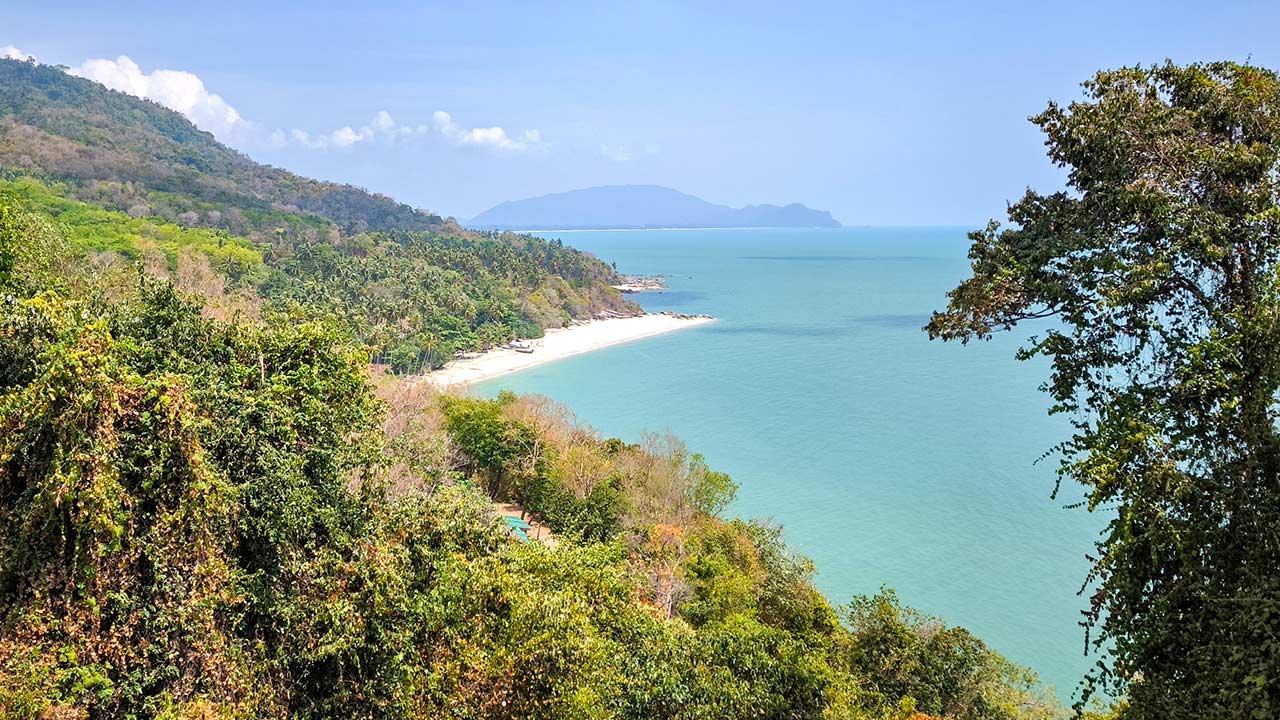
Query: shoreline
{"points": [[561, 343]]}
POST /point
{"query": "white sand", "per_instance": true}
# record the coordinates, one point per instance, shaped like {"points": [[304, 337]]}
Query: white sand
{"points": [[630, 288], [559, 344]]}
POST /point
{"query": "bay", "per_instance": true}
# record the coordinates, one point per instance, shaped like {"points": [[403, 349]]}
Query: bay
{"points": [[889, 459]]}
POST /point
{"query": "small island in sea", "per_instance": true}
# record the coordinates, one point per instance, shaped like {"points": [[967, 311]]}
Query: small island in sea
{"points": [[618, 207], [632, 284]]}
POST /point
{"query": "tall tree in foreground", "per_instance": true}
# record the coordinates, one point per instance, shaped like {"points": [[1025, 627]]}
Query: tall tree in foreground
{"points": [[1160, 265]]}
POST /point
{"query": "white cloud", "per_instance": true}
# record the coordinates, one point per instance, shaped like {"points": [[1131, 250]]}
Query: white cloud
{"points": [[346, 137], [382, 126], [176, 89], [619, 153], [10, 52], [303, 138], [624, 153], [491, 137], [382, 121], [186, 93]]}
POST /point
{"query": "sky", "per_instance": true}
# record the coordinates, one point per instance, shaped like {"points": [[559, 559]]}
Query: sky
{"points": [[883, 113]]}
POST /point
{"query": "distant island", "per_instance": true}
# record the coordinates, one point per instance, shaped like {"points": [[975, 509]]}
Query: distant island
{"points": [[639, 206]]}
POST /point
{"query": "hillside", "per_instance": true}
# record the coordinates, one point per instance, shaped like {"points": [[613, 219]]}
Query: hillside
{"points": [[205, 517], [107, 143], [640, 206], [132, 180]]}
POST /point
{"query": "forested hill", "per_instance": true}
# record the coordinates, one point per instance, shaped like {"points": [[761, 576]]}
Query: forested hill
{"points": [[60, 126], [210, 515], [136, 183]]}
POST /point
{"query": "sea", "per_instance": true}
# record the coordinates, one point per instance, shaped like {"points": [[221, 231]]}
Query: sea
{"points": [[889, 459]]}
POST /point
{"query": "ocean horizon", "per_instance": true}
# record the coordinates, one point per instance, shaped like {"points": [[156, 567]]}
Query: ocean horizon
{"points": [[888, 459], [545, 232]]}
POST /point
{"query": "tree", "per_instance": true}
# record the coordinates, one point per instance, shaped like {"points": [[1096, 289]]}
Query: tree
{"points": [[1159, 264], [939, 670], [108, 502], [33, 257], [710, 492], [9, 239], [491, 442]]}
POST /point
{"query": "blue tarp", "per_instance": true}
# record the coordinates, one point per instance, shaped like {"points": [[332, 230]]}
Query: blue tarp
{"points": [[516, 522], [518, 527]]}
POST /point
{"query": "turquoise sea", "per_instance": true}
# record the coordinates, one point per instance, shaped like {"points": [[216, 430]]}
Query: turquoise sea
{"points": [[889, 459]]}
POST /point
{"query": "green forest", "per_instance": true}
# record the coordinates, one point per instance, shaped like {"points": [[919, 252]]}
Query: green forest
{"points": [[236, 518], [223, 494]]}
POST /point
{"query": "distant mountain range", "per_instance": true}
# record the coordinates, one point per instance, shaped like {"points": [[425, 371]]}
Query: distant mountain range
{"points": [[640, 206]]}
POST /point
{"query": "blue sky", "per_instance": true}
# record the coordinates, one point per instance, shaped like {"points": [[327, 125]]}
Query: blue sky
{"points": [[883, 113]]}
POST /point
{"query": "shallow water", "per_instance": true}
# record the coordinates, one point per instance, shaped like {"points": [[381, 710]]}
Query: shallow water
{"points": [[889, 459]]}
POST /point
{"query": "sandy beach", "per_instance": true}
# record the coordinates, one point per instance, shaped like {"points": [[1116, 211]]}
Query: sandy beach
{"points": [[559, 344]]}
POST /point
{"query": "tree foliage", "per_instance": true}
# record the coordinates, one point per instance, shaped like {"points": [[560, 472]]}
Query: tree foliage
{"points": [[1161, 267], [416, 298], [214, 518], [947, 672]]}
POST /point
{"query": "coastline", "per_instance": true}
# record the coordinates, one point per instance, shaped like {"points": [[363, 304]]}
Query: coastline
{"points": [[640, 283], [561, 343]]}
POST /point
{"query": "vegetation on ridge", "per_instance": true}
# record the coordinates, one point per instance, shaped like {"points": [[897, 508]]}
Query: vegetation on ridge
{"points": [[219, 518]]}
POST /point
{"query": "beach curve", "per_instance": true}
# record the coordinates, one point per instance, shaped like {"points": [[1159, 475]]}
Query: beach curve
{"points": [[560, 343]]}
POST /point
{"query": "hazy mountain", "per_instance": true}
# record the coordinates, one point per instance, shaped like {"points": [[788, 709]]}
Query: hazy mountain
{"points": [[635, 206]]}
